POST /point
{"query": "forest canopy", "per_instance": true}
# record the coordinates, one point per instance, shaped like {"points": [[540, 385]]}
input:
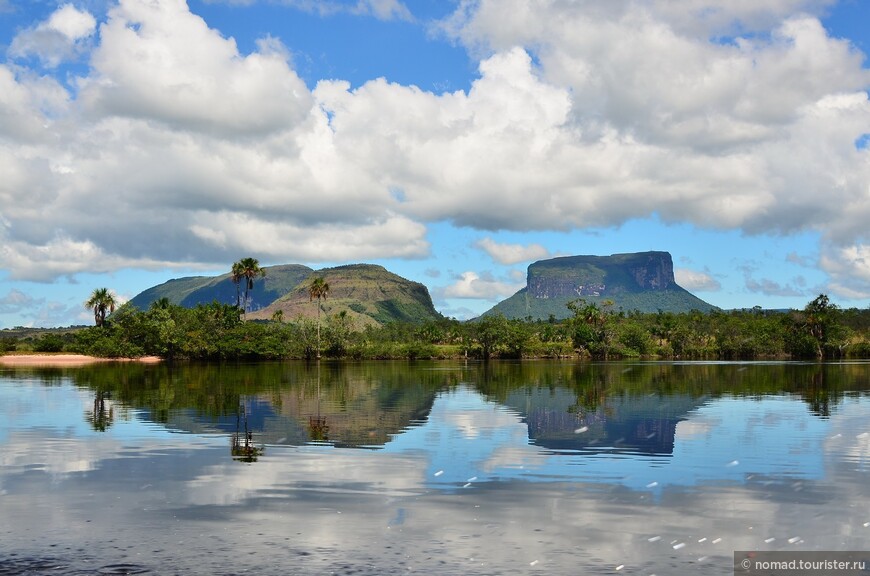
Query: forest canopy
{"points": [[215, 331]]}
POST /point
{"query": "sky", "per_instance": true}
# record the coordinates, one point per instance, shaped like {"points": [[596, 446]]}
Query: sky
{"points": [[452, 141]]}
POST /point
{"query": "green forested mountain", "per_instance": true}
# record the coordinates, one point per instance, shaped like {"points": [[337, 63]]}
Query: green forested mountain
{"points": [[642, 281], [366, 293], [190, 291]]}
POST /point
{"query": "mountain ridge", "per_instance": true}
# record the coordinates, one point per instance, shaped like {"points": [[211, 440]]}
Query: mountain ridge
{"points": [[369, 294], [192, 290]]}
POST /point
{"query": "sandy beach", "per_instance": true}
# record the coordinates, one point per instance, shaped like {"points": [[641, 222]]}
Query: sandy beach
{"points": [[65, 360]]}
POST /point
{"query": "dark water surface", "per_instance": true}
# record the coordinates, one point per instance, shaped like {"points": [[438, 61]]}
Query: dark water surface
{"points": [[435, 468]]}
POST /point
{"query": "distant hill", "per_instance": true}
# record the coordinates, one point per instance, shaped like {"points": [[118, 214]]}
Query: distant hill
{"points": [[642, 281], [190, 291], [368, 293]]}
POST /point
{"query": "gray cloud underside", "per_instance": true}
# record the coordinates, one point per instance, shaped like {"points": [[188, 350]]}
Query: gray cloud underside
{"points": [[176, 148]]}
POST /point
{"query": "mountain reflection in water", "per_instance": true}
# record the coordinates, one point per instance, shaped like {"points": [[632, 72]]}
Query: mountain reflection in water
{"points": [[373, 468]]}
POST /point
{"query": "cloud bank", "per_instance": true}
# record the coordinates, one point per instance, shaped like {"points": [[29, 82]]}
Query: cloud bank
{"points": [[175, 148]]}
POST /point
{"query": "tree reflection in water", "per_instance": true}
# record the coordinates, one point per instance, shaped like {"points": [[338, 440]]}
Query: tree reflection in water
{"points": [[318, 429], [103, 415], [242, 445]]}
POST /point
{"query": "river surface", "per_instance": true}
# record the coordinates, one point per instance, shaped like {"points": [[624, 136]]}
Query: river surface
{"points": [[433, 468]]}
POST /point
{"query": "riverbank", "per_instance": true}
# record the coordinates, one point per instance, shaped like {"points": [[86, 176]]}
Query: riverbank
{"points": [[65, 360]]}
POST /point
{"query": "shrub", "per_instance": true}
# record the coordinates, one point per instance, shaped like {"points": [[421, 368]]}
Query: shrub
{"points": [[8, 345], [420, 351], [49, 343], [636, 340], [858, 350]]}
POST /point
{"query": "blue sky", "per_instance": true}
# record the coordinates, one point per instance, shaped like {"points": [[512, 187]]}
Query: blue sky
{"points": [[453, 142]]}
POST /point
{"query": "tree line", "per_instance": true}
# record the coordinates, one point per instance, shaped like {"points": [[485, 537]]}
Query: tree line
{"points": [[821, 330]]}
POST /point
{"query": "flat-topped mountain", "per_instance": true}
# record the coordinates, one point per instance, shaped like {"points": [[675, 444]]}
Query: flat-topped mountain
{"points": [[642, 281]]}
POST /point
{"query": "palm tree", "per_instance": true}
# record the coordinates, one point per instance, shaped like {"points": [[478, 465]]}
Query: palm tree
{"points": [[318, 289], [248, 268], [236, 276], [819, 322], [102, 302], [162, 303]]}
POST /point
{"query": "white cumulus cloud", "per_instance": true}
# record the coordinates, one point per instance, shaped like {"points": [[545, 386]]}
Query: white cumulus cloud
{"points": [[483, 286], [754, 132], [512, 253], [176, 147], [849, 269], [58, 38], [696, 281], [16, 301], [158, 61]]}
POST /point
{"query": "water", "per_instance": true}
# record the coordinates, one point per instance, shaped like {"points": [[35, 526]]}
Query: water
{"points": [[436, 468]]}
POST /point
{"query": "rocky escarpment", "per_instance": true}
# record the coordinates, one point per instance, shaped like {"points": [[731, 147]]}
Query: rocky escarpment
{"points": [[580, 276]]}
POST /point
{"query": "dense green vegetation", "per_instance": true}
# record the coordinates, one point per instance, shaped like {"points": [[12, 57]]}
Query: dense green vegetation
{"points": [[217, 332]]}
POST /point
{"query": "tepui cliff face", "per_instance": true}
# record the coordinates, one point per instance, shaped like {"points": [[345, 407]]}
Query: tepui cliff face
{"points": [[600, 276]]}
